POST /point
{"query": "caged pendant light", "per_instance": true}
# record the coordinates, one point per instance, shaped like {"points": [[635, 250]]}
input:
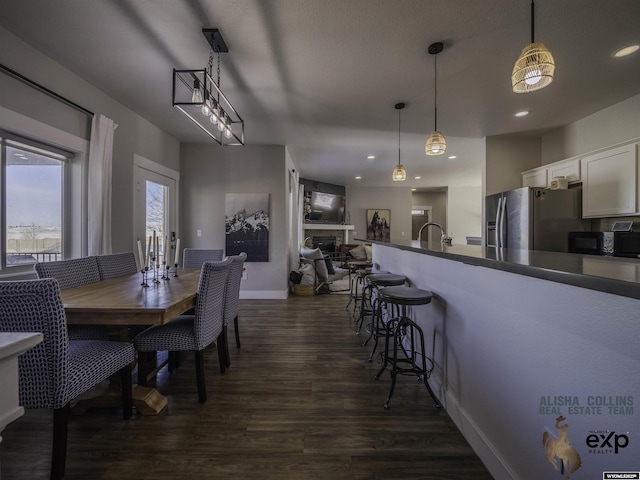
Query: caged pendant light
{"points": [[436, 143], [399, 173], [197, 94], [534, 68]]}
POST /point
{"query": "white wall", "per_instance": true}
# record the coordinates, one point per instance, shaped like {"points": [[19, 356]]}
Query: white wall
{"points": [[615, 124], [396, 199], [135, 134], [207, 173], [464, 213]]}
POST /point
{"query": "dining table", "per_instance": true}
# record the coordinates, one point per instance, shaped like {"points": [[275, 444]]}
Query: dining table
{"points": [[130, 301]]}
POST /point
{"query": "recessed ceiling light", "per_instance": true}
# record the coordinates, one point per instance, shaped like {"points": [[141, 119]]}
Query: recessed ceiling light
{"points": [[417, 178], [358, 178], [452, 157], [523, 113], [413, 189], [623, 52], [370, 157]]}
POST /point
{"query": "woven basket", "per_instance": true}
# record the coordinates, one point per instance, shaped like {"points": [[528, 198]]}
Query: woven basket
{"points": [[303, 290]]}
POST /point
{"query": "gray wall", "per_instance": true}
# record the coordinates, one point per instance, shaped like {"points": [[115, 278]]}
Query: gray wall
{"points": [[438, 202], [396, 199], [615, 124], [507, 156], [207, 173], [134, 134]]}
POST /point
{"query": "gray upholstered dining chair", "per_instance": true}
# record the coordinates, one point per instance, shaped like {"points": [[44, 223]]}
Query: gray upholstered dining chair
{"points": [[74, 273], [58, 369], [194, 332], [116, 265], [70, 273], [195, 257], [232, 300]]}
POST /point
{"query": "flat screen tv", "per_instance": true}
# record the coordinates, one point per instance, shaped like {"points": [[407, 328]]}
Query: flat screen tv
{"points": [[326, 208]]}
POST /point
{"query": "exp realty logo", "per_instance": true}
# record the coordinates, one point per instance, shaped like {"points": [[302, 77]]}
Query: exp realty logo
{"points": [[606, 441], [564, 457]]}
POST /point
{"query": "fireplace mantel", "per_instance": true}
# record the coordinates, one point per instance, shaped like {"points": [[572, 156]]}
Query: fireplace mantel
{"points": [[330, 226]]}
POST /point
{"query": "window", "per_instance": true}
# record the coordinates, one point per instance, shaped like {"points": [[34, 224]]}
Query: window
{"points": [[32, 200]]}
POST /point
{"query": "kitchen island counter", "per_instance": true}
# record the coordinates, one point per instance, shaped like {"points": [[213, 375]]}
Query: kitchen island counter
{"points": [[529, 346], [618, 276]]}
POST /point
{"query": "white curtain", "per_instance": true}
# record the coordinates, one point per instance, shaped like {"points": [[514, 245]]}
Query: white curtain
{"points": [[99, 208], [294, 226]]}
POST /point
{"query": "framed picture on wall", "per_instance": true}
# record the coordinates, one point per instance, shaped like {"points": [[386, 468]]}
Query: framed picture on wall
{"points": [[378, 224], [247, 225]]}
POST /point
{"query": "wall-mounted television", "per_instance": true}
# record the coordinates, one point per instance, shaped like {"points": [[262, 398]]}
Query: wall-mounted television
{"points": [[326, 208]]}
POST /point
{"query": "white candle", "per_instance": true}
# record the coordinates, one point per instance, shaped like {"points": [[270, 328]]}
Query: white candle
{"points": [[140, 256], [146, 263], [164, 250], [175, 262], [156, 251]]}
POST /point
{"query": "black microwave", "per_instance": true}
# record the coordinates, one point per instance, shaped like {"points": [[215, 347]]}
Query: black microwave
{"points": [[626, 244], [618, 244], [590, 243]]}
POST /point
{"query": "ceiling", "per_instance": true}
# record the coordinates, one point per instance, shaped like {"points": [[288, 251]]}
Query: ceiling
{"points": [[323, 76]]}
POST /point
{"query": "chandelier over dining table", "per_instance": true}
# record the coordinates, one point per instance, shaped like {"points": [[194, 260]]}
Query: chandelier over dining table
{"points": [[198, 95]]}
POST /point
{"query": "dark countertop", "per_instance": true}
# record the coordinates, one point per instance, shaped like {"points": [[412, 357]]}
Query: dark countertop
{"points": [[618, 276]]}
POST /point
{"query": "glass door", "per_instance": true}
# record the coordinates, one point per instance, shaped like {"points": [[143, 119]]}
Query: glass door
{"points": [[155, 220]]}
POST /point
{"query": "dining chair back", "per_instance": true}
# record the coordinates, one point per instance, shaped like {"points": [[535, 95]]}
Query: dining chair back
{"points": [[70, 273], [194, 332], [58, 369], [195, 257], [74, 273], [232, 300], [116, 265]]}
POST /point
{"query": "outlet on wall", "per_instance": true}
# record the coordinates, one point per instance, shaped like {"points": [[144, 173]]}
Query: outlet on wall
{"points": [[198, 233], [244, 275]]}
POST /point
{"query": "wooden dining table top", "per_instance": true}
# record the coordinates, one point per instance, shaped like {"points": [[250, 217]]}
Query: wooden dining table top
{"points": [[124, 301]]}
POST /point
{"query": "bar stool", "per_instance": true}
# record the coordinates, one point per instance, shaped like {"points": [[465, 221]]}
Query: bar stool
{"points": [[407, 338], [373, 282], [356, 286]]}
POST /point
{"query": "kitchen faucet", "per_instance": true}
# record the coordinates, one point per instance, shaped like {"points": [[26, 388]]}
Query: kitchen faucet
{"points": [[443, 236]]}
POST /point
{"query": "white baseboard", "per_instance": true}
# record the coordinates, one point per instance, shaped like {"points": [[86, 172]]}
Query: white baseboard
{"points": [[264, 294], [483, 448]]}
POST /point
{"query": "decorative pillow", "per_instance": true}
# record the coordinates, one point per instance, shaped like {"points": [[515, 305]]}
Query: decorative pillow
{"points": [[368, 251], [327, 260], [359, 253], [321, 267], [308, 274]]}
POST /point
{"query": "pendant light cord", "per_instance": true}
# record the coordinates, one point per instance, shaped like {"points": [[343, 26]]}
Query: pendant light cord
{"points": [[532, 20], [435, 94], [399, 136]]}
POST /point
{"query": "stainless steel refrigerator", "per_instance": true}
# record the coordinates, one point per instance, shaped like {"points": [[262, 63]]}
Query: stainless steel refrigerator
{"points": [[534, 218]]}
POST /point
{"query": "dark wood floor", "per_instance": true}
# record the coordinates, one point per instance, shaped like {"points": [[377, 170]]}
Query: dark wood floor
{"points": [[299, 402]]}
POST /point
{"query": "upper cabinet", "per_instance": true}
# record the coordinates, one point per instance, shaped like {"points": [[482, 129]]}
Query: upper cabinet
{"points": [[542, 176], [610, 182], [535, 178], [569, 169]]}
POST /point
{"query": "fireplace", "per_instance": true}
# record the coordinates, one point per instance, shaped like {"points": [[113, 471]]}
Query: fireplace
{"points": [[326, 243]]}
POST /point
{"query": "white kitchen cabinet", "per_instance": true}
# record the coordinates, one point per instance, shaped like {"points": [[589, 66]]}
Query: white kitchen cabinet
{"points": [[569, 169], [535, 178], [610, 182]]}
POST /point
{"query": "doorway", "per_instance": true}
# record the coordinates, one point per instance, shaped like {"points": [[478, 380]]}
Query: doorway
{"points": [[156, 206], [419, 216]]}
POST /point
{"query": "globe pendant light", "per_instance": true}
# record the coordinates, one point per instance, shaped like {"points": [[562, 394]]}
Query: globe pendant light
{"points": [[436, 143], [535, 66], [399, 173]]}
